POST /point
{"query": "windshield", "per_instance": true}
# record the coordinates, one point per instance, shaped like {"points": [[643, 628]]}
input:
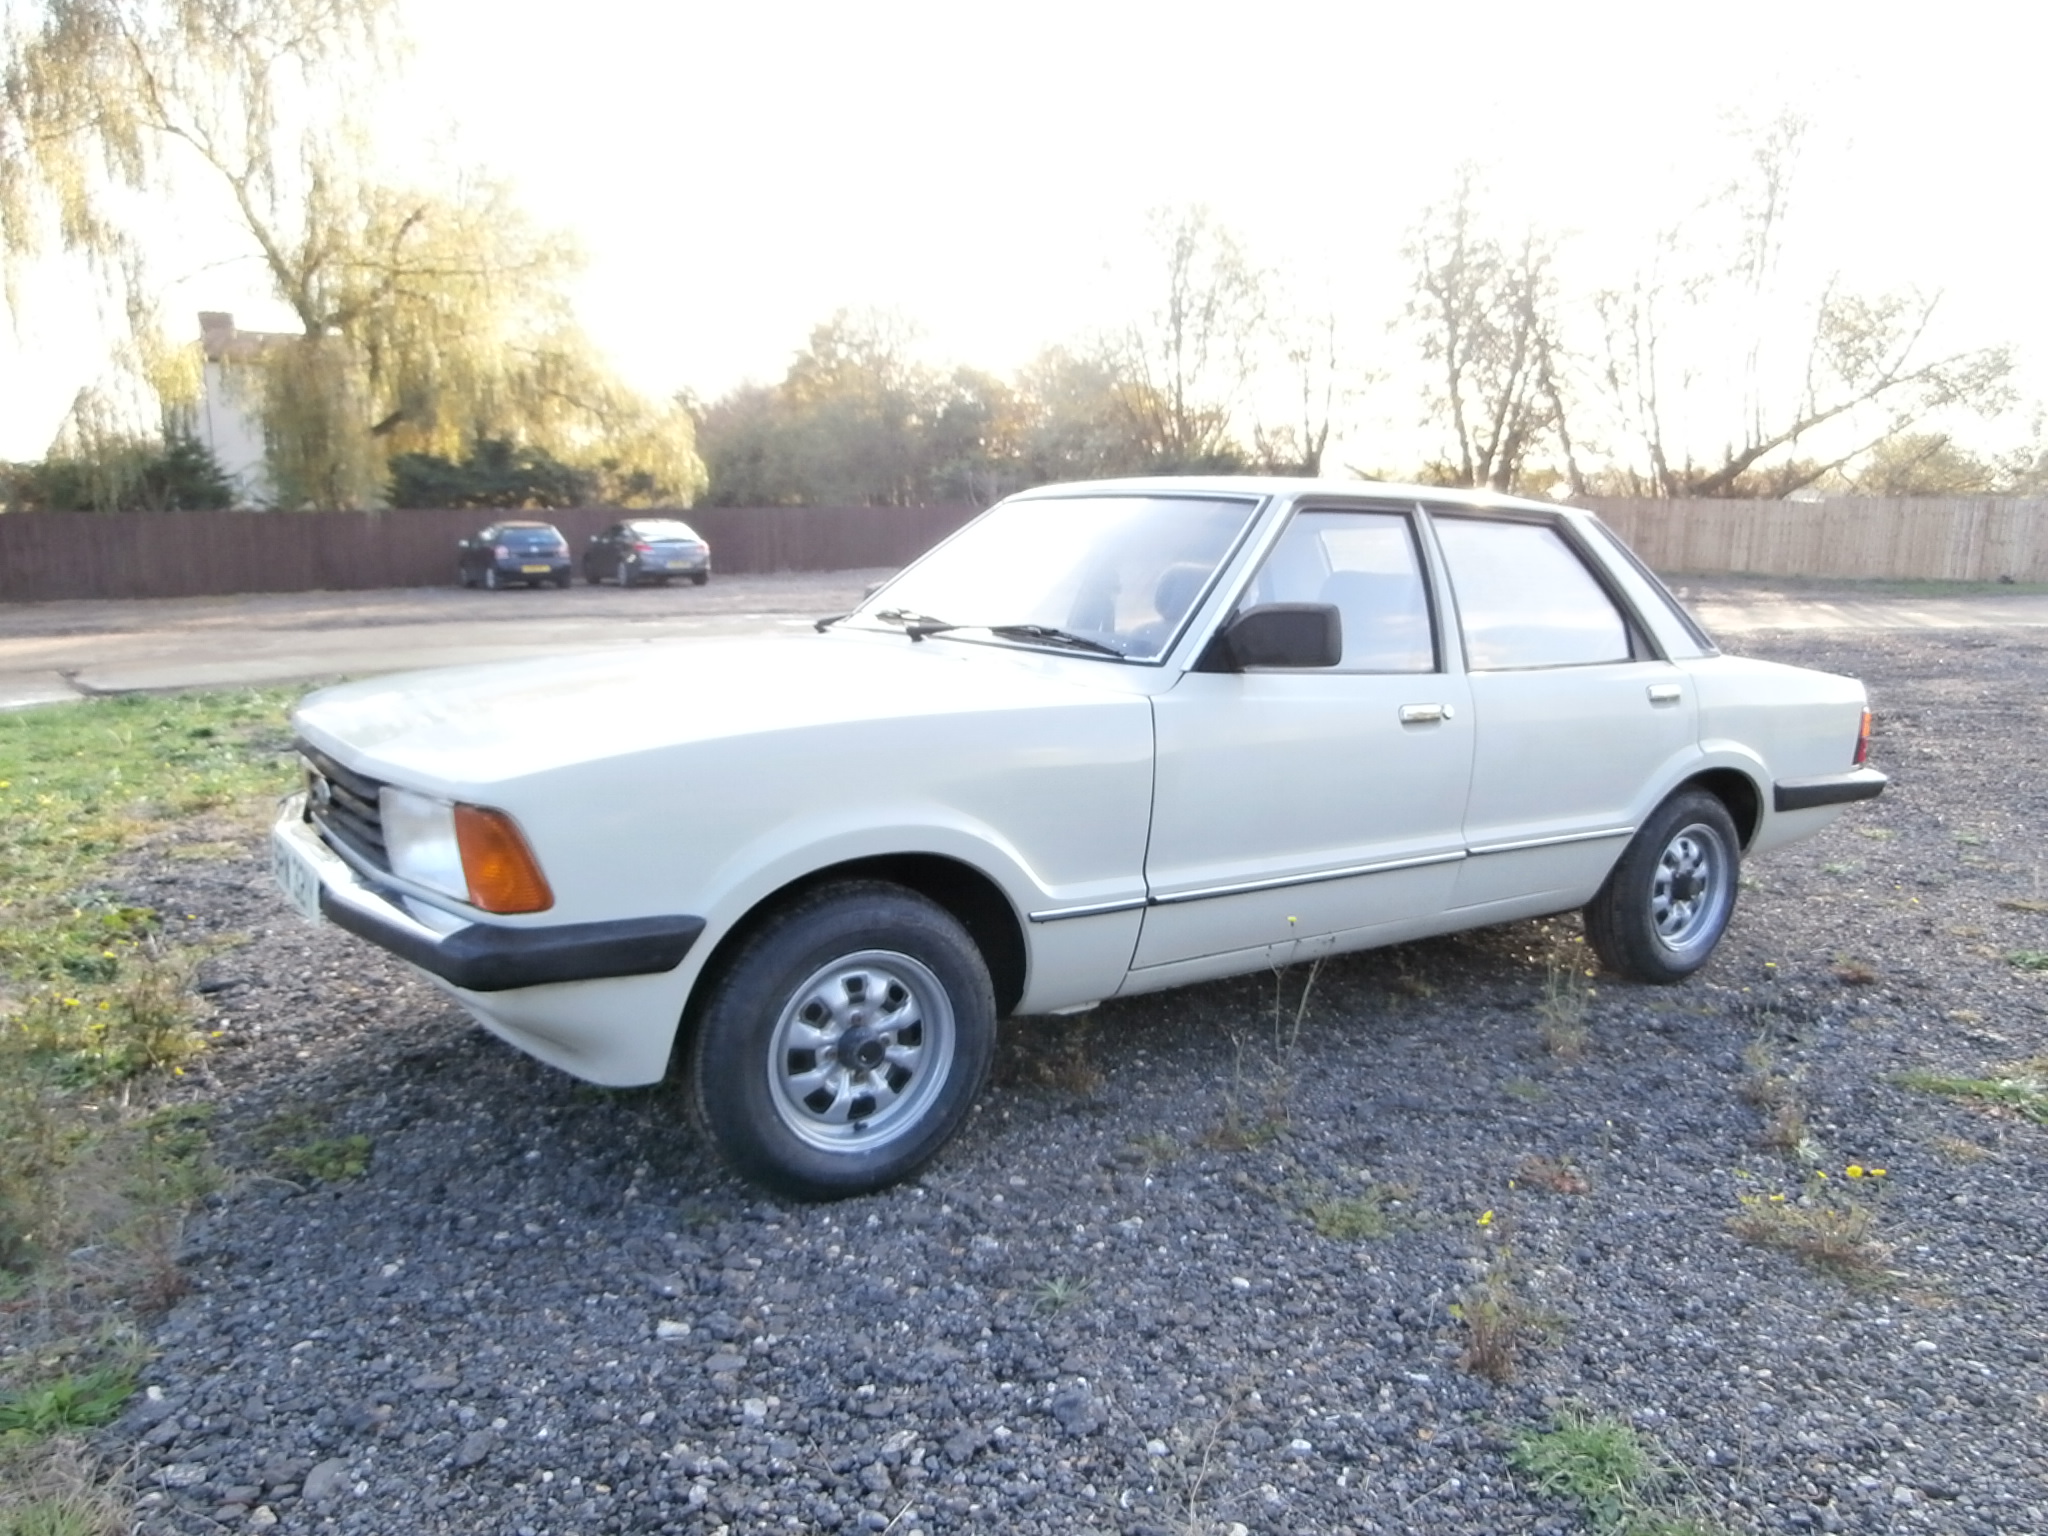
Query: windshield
{"points": [[663, 532], [1101, 574]]}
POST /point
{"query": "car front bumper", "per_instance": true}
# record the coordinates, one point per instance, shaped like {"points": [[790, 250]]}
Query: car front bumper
{"points": [[477, 957]]}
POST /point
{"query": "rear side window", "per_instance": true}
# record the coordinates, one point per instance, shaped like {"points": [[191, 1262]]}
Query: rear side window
{"points": [[1526, 599], [1365, 565]]}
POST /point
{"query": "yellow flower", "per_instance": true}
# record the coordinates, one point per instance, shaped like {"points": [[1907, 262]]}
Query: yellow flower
{"points": [[1486, 1220], [1876, 1173], [1854, 1170], [1780, 1198], [1820, 1173]]}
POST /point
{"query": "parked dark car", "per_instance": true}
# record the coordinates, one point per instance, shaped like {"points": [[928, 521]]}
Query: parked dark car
{"points": [[647, 549], [514, 554]]}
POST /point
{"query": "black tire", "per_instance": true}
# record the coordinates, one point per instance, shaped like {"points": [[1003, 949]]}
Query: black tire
{"points": [[625, 575], [563, 578], [698, 578], [491, 581], [809, 1087], [1665, 905], [461, 574]]}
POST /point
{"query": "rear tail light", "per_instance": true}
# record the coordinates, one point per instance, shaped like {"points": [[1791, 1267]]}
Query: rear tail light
{"points": [[645, 549], [1863, 741]]}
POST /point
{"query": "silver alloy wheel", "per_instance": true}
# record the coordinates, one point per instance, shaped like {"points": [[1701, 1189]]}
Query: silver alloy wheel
{"points": [[861, 1051], [1689, 892]]}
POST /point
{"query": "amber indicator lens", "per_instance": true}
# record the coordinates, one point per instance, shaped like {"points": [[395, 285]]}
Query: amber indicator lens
{"points": [[502, 871], [1863, 742]]}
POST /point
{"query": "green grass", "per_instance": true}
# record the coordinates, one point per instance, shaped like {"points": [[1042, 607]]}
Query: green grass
{"points": [[1353, 1218], [1601, 1464], [67, 1403], [2021, 1087], [96, 1017]]}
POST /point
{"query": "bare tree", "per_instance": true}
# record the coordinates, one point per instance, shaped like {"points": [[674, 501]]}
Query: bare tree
{"points": [[1861, 368], [1487, 314], [1183, 369]]}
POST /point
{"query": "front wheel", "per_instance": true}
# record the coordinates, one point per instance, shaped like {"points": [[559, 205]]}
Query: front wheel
{"points": [[1665, 905], [846, 1043], [698, 578], [492, 581]]}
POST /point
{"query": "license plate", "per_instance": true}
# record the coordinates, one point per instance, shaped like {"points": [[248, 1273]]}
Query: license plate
{"points": [[533, 570], [296, 876]]}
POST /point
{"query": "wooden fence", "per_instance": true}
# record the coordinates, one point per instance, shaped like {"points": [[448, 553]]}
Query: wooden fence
{"points": [[1980, 538], [46, 555]]}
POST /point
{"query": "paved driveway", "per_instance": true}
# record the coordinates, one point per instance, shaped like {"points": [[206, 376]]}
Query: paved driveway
{"points": [[56, 651]]}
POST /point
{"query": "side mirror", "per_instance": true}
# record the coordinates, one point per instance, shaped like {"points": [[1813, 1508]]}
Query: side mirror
{"points": [[1277, 635]]}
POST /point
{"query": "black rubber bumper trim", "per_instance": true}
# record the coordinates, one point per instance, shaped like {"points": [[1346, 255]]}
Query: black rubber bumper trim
{"points": [[489, 959], [1836, 789]]}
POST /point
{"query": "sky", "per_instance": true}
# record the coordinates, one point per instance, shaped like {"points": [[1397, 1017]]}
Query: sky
{"points": [[735, 172]]}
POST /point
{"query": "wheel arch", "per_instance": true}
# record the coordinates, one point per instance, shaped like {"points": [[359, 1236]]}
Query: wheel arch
{"points": [[1739, 793], [975, 901]]}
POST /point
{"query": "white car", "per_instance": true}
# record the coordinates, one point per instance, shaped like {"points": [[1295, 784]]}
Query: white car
{"points": [[1108, 738]]}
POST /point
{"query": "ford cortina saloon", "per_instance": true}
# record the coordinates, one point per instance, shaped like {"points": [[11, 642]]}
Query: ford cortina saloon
{"points": [[1108, 738]]}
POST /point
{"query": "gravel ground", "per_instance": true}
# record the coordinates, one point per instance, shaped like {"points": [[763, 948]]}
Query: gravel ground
{"points": [[543, 1308]]}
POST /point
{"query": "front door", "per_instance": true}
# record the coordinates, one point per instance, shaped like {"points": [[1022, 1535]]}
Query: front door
{"points": [[1300, 811]]}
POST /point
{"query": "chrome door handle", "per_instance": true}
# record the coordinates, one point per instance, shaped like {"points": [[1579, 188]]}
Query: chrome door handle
{"points": [[1419, 714], [1664, 693]]}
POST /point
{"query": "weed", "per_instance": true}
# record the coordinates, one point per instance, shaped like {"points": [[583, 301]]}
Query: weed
{"points": [[1823, 1224], [54, 1488], [1852, 972], [1776, 1094], [1602, 1465], [1558, 1176], [1567, 996], [2021, 1087], [1970, 839], [69, 1402], [2022, 904], [1958, 1149], [1527, 1089], [1354, 1218], [1155, 1149], [2029, 959], [1495, 1319], [327, 1158], [1842, 868], [1060, 1293], [1877, 834], [1242, 1127]]}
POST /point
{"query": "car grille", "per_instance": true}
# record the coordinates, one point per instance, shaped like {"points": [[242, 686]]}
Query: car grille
{"points": [[343, 805]]}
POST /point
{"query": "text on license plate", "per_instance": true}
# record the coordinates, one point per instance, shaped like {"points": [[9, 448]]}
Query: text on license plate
{"points": [[296, 876], [533, 570]]}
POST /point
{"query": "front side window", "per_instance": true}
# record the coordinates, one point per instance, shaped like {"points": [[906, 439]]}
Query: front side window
{"points": [[1114, 576], [1365, 565], [1526, 599]]}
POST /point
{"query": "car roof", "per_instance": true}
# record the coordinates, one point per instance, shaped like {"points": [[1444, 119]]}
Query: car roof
{"points": [[1295, 487]]}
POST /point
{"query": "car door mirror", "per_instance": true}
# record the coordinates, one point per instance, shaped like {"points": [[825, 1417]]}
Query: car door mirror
{"points": [[1277, 635]]}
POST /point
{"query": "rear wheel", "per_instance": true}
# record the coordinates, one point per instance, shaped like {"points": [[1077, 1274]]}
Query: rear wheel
{"points": [[846, 1043], [698, 578], [1665, 905], [461, 574], [625, 574], [562, 578]]}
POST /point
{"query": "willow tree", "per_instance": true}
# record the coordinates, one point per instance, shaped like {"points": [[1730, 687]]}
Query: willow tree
{"points": [[426, 319]]}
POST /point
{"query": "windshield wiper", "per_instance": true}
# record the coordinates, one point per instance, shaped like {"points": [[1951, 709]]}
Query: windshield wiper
{"points": [[1047, 635]]}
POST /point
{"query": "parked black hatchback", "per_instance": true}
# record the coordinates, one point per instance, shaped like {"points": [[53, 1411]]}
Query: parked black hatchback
{"points": [[647, 549], [513, 554]]}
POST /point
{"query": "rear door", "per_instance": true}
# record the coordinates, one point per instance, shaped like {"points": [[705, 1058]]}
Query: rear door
{"points": [[1577, 716]]}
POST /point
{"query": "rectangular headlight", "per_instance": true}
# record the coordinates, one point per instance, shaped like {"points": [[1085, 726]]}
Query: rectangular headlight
{"points": [[420, 842]]}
